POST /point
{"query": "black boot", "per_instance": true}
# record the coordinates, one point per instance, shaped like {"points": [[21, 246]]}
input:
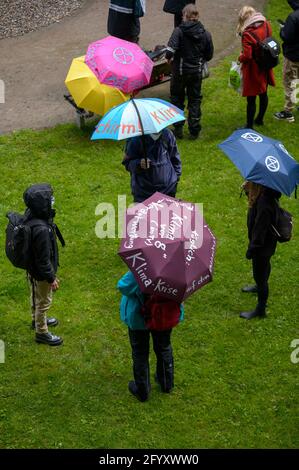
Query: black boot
{"points": [[133, 389], [48, 338]]}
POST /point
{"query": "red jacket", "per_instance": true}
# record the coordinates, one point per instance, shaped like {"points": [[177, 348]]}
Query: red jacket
{"points": [[255, 81]]}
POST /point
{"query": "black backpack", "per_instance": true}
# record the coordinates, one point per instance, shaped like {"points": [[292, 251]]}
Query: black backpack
{"points": [[283, 225], [18, 239], [268, 52]]}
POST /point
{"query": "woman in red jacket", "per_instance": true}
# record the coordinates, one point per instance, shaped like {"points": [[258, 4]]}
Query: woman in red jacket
{"points": [[255, 80]]}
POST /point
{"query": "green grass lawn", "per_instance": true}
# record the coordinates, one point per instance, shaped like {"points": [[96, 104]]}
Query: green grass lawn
{"points": [[235, 385]]}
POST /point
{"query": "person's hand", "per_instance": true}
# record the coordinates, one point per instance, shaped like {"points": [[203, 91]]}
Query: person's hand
{"points": [[55, 284], [145, 163]]}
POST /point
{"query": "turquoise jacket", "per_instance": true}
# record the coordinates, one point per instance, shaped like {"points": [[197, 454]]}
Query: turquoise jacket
{"points": [[131, 302]]}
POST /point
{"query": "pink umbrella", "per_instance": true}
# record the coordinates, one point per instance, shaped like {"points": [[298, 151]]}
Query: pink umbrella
{"points": [[168, 247], [119, 63]]}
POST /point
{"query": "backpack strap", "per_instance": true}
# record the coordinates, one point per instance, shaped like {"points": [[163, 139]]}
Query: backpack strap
{"points": [[59, 235]]}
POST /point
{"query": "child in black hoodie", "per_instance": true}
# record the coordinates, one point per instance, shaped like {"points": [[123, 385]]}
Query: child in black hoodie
{"points": [[188, 48]]}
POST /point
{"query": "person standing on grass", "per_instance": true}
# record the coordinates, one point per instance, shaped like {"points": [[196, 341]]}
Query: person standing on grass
{"points": [[188, 48], [44, 262], [124, 19], [176, 8], [253, 27], [130, 312], [262, 214], [289, 33], [154, 163]]}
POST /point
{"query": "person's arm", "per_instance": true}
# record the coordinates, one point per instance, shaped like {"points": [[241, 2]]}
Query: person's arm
{"points": [[289, 32], [209, 47], [173, 44], [41, 244], [132, 158], [260, 229], [247, 43], [174, 155]]}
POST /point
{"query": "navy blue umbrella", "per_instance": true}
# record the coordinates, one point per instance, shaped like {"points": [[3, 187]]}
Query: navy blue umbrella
{"points": [[263, 160]]}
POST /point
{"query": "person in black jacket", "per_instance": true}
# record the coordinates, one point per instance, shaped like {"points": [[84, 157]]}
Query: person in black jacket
{"points": [[44, 260], [290, 35], [176, 7], [189, 46], [262, 214], [123, 19]]}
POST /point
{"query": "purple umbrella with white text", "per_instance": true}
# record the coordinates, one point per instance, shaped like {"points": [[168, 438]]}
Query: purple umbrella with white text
{"points": [[168, 247]]}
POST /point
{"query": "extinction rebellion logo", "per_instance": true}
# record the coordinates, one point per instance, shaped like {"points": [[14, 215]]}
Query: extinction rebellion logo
{"points": [[272, 164], [123, 56], [252, 137]]}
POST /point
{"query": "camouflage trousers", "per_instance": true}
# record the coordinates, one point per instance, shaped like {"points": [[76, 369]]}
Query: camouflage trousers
{"points": [[291, 84], [41, 300]]}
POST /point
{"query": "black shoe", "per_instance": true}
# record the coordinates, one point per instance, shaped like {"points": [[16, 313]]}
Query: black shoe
{"points": [[258, 122], [48, 338], [178, 132], [249, 289], [50, 322], [163, 389], [284, 116], [193, 136], [247, 126], [252, 314], [133, 389]]}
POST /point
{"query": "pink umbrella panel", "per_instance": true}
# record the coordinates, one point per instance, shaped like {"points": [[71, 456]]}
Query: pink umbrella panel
{"points": [[119, 63], [168, 247]]}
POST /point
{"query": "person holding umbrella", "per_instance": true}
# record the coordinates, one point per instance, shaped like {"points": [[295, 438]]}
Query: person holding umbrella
{"points": [[154, 163], [131, 305], [262, 215]]}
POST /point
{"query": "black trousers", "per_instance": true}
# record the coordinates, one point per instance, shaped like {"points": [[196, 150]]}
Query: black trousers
{"points": [[251, 109], [189, 84], [140, 344], [261, 268]]}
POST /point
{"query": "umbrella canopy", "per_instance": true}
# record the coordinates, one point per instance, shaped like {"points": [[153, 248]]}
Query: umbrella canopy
{"points": [[119, 63], [168, 247], [137, 117], [88, 92], [263, 160]]}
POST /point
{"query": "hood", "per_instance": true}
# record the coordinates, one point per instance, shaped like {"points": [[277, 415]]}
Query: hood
{"points": [[294, 4], [193, 29], [128, 285], [38, 199]]}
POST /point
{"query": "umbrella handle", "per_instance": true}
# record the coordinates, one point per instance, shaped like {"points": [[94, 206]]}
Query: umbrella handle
{"points": [[142, 131]]}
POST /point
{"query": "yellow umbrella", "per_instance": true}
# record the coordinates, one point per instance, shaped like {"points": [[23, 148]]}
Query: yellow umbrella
{"points": [[88, 92]]}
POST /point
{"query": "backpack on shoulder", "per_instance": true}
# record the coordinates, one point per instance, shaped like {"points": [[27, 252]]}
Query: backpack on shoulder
{"points": [[18, 241], [267, 56], [283, 226], [160, 313]]}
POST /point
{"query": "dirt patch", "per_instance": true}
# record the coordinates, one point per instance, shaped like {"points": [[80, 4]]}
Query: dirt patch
{"points": [[34, 66]]}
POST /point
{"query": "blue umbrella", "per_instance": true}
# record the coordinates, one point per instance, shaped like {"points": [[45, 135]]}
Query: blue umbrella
{"points": [[137, 117], [263, 160]]}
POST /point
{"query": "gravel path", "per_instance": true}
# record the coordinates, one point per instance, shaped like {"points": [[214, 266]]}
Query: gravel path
{"points": [[33, 67], [23, 16]]}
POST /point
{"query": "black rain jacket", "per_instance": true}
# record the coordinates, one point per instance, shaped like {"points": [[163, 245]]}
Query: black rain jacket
{"points": [[189, 45], [289, 33]]}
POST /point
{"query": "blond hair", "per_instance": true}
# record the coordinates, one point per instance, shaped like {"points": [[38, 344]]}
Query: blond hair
{"points": [[190, 13], [244, 14]]}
